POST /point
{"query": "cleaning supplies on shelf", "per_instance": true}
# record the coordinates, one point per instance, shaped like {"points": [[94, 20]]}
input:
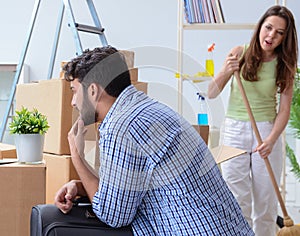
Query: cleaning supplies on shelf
{"points": [[202, 115], [209, 63]]}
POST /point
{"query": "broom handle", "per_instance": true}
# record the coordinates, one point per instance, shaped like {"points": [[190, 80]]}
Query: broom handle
{"points": [[259, 140]]}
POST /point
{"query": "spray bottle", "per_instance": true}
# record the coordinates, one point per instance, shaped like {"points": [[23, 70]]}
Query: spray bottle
{"points": [[209, 63], [202, 115]]}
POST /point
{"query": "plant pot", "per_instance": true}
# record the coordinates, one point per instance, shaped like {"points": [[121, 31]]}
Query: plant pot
{"points": [[29, 148]]}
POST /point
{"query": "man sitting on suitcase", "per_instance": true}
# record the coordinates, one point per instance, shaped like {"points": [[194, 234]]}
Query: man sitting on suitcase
{"points": [[156, 173]]}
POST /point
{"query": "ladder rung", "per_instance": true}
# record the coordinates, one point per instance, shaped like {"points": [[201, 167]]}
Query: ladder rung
{"points": [[89, 29]]}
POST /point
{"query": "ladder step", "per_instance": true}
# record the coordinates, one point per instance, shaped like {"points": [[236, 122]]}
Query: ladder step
{"points": [[89, 29], [75, 27]]}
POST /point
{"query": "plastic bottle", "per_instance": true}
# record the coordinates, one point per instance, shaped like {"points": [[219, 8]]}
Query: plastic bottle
{"points": [[209, 63], [202, 115]]}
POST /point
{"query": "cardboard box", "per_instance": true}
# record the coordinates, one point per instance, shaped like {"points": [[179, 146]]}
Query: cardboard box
{"points": [[203, 130], [61, 71], [53, 99], [92, 154], [59, 170], [129, 57], [141, 86], [7, 151], [22, 187], [134, 74]]}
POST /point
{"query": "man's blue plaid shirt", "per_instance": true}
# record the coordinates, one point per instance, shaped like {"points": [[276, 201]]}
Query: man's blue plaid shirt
{"points": [[157, 173]]}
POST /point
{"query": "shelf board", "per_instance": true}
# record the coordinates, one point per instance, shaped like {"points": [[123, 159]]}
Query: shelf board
{"points": [[218, 26], [197, 78]]}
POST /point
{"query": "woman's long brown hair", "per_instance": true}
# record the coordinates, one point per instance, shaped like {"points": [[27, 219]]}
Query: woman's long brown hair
{"points": [[287, 51]]}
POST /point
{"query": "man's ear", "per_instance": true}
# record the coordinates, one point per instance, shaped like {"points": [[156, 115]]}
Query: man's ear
{"points": [[94, 91]]}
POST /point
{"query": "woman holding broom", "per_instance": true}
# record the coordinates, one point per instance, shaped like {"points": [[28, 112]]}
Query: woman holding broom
{"points": [[267, 67]]}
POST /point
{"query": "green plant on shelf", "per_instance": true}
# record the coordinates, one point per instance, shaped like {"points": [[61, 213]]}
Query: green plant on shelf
{"points": [[294, 123], [28, 122]]}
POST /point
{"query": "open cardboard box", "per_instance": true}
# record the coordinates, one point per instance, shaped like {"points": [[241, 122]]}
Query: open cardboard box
{"points": [[223, 153], [220, 153]]}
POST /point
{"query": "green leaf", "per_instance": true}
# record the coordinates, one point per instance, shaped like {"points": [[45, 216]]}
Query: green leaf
{"points": [[293, 160], [294, 124], [28, 122]]}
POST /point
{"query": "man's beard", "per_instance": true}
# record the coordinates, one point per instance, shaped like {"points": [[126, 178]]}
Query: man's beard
{"points": [[88, 112]]}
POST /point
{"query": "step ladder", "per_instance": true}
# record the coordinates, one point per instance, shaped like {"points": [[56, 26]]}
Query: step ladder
{"points": [[75, 28]]}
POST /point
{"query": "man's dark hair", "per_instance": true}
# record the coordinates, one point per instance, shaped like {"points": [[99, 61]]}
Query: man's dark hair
{"points": [[105, 66]]}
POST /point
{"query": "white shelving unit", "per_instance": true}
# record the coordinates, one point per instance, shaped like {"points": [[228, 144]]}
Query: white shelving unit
{"points": [[217, 26]]}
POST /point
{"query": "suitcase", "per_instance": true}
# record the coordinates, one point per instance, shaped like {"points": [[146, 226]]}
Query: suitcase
{"points": [[48, 220]]}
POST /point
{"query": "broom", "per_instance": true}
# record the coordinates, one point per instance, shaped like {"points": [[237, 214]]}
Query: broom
{"points": [[289, 228]]}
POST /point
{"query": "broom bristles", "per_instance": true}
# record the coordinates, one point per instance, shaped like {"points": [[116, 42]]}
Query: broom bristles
{"points": [[289, 231], [289, 228]]}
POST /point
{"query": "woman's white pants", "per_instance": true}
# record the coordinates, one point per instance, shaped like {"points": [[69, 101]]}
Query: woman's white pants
{"points": [[247, 176]]}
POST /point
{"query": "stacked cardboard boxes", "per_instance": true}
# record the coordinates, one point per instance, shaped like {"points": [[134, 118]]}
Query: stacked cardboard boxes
{"points": [[53, 99], [129, 57]]}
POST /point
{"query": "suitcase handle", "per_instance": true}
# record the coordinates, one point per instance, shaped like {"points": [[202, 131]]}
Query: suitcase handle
{"points": [[81, 201]]}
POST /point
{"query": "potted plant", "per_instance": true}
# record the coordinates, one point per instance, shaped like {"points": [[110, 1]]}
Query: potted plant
{"points": [[294, 123], [29, 128]]}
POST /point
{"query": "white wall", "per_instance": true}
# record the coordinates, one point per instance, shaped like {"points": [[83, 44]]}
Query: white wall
{"points": [[147, 27]]}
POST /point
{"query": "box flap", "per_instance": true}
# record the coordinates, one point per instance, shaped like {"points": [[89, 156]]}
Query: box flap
{"points": [[8, 161], [223, 153], [7, 151]]}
